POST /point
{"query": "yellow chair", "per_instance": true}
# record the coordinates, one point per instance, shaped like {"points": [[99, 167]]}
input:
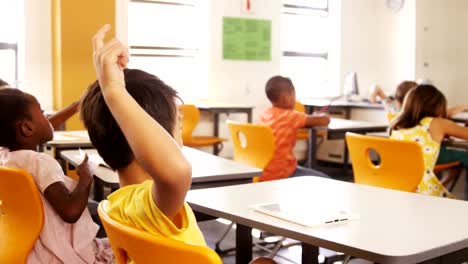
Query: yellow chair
{"points": [[142, 247], [401, 162], [190, 119], [21, 215], [253, 144], [304, 132]]}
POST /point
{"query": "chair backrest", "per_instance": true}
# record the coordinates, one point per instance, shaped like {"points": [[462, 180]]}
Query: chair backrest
{"points": [[143, 247], [299, 107], [191, 116], [21, 215], [253, 144], [391, 116], [401, 162]]}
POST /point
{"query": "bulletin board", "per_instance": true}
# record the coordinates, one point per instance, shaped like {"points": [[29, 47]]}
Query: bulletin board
{"points": [[246, 39]]}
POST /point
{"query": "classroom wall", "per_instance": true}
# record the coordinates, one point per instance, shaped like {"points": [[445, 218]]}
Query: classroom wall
{"points": [[377, 43], [441, 41], [36, 65]]}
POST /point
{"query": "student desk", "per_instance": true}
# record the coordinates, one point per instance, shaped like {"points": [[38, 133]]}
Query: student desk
{"points": [[67, 140], [394, 226], [337, 130], [207, 170], [461, 118], [221, 108], [314, 104]]}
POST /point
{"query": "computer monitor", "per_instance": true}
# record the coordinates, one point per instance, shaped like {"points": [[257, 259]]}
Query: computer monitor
{"points": [[351, 84]]}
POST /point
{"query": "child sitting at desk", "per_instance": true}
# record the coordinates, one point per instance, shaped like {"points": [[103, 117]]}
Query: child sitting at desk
{"points": [[393, 106], [285, 122], [423, 120], [133, 121], [57, 120], [69, 233]]}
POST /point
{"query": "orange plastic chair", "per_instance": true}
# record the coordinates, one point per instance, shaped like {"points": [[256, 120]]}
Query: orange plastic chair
{"points": [[142, 247], [191, 117], [401, 162], [21, 215]]}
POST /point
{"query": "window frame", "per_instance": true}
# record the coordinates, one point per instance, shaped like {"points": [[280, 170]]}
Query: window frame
{"points": [[14, 47], [290, 53], [155, 51]]}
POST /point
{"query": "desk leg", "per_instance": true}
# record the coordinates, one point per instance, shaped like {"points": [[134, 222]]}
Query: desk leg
{"points": [[216, 132], [312, 149], [249, 116], [98, 190], [309, 254], [347, 112], [243, 244], [345, 157]]}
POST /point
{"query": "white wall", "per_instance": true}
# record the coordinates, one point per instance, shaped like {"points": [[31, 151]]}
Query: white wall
{"points": [[377, 43], [241, 82], [441, 40], [36, 65]]}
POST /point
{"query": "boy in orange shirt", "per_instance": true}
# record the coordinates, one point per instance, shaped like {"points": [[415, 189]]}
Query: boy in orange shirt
{"points": [[285, 122]]}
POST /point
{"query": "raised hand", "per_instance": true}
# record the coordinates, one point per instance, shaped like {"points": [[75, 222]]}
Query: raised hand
{"points": [[109, 61]]}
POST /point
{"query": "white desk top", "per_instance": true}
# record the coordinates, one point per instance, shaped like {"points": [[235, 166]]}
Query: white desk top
{"points": [[345, 124], [70, 139], [339, 103], [394, 226], [460, 117], [208, 104], [205, 167]]}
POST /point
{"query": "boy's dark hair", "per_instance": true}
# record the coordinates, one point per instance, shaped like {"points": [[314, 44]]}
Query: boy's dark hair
{"points": [[275, 87], [421, 101], [402, 89], [3, 83], [14, 106], [152, 94]]}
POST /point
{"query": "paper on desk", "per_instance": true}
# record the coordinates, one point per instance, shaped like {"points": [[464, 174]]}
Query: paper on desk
{"points": [[94, 159], [304, 216]]}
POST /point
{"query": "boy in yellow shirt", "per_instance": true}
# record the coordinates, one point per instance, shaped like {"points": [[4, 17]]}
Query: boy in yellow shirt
{"points": [[131, 117], [133, 122]]}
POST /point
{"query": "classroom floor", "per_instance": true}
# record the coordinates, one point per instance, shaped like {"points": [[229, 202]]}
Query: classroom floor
{"points": [[213, 229]]}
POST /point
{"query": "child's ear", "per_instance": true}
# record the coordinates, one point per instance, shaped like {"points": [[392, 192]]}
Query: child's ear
{"points": [[26, 128]]}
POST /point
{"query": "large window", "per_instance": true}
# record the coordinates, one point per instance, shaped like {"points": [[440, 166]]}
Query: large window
{"points": [[305, 34], [10, 35], [166, 38]]}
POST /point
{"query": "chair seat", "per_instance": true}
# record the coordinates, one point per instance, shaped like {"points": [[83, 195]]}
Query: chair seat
{"points": [[202, 141]]}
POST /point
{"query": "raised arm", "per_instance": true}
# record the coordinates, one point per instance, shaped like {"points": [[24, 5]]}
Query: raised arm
{"points": [[376, 94], [154, 149], [64, 114]]}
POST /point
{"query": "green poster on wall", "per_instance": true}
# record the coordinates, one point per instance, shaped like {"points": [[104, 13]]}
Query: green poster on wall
{"points": [[246, 39]]}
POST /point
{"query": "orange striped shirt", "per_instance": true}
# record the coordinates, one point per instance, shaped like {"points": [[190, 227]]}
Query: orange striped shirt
{"points": [[284, 123]]}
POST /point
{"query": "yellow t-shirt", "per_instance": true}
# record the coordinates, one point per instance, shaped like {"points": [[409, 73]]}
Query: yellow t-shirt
{"points": [[133, 205]]}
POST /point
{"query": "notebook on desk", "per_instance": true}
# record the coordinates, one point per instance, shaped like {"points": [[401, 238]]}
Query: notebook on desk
{"points": [[308, 218]]}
